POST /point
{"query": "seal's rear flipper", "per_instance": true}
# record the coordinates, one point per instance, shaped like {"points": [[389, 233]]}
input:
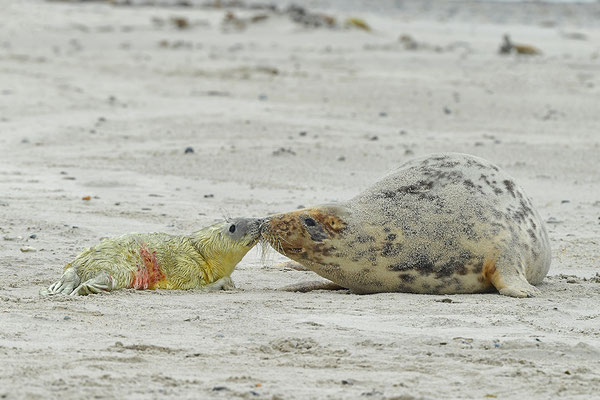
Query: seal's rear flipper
{"points": [[65, 285], [509, 280], [312, 285], [102, 282]]}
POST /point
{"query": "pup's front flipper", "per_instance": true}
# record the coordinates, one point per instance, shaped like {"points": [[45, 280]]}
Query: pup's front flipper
{"points": [[102, 282], [225, 283], [312, 285], [65, 285]]}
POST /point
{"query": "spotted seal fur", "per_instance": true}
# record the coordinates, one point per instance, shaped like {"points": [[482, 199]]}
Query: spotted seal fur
{"points": [[204, 259], [441, 224]]}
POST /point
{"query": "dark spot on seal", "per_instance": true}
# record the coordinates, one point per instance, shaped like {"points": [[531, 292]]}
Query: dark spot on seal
{"points": [[391, 237], [424, 266], [469, 184], [498, 214], [462, 270], [525, 207], [421, 263], [365, 238], [471, 162], [442, 175], [477, 268], [449, 164], [369, 254], [407, 278], [450, 268], [391, 249], [510, 186], [417, 188], [468, 228]]}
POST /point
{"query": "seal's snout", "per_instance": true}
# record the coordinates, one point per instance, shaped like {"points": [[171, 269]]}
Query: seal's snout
{"points": [[244, 230], [283, 232]]}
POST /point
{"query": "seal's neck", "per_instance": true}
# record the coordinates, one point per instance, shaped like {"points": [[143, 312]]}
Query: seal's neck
{"points": [[219, 255]]}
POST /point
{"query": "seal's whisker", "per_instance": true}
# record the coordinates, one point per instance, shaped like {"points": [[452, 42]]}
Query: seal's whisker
{"points": [[225, 214], [275, 243], [283, 240], [265, 250]]}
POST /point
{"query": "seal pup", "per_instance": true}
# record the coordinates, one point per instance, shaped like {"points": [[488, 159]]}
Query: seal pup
{"points": [[205, 259], [441, 224]]}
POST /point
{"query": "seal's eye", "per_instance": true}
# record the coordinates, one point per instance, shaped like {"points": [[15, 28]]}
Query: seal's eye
{"points": [[232, 228], [310, 222]]}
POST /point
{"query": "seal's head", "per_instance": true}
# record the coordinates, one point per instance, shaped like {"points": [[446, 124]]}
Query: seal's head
{"points": [[311, 236], [224, 244]]}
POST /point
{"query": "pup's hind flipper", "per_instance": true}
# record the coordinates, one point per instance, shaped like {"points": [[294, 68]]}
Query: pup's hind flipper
{"points": [[102, 282], [65, 285]]}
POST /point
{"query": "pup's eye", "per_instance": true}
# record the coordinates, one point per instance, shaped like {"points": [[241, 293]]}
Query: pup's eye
{"points": [[310, 222], [232, 228]]}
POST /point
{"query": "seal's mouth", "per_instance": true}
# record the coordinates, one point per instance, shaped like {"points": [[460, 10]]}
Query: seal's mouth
{"points": [[293, 250]]}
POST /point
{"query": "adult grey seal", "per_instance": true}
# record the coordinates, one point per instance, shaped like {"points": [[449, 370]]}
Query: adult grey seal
{"points": [[441, 224], [205, 259]]}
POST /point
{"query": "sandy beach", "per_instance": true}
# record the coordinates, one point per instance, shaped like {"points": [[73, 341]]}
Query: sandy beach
{"points": [[99, 102]]}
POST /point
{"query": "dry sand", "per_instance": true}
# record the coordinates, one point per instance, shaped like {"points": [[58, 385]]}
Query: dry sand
{"points": [[102, 101]]}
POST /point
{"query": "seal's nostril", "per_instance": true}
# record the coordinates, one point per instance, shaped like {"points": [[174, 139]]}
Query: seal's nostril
{"points": [[310, 222]]}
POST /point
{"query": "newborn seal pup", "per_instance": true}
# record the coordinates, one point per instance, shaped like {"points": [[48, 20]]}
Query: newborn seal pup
{"points": [[441, 224], [204, 259]]}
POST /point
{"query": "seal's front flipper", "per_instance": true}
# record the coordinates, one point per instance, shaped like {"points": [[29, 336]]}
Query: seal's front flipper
{"points": [[523, 289], [225, 283], [102, 282], [65, 285], [312, 285], [509, 280]]}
